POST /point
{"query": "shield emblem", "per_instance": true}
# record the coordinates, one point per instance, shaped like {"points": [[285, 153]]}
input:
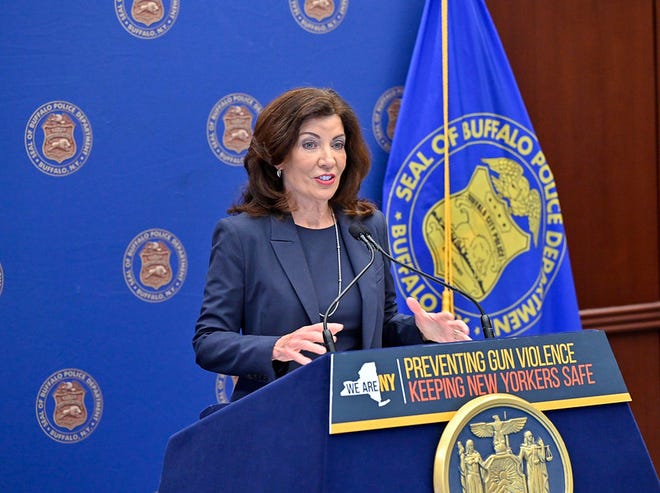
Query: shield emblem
{"points": [[156, 270], [238, 128], [319, 9], [59, 143], [147, 11], [503, 472], [392, 115], [484, 236], [70, 410]]}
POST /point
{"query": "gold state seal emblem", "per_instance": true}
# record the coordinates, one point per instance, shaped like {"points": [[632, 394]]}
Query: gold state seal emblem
{"points": [[526, 454]]}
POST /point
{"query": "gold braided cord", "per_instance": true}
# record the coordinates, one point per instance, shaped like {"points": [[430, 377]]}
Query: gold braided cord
{"points": [[447, 294]]}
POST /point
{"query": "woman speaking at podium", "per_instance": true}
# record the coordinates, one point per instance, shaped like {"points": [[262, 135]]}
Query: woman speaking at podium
{"points": [[285, 252]]}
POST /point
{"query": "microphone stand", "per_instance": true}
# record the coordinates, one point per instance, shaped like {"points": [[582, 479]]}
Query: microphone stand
{"points": [[327, 335], [486, 325]]}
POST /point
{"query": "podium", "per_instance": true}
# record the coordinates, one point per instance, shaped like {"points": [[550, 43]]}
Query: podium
{"points": [[277, 440]]}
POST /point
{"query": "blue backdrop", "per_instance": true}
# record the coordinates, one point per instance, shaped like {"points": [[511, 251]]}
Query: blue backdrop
{"points": [[122, 123]]}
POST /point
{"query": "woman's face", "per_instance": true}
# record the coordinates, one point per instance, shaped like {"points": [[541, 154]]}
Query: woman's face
{"points": [[313, 168]]}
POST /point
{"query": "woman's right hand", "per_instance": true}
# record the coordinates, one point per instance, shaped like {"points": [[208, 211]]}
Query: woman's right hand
{"points": [[308, 338]]}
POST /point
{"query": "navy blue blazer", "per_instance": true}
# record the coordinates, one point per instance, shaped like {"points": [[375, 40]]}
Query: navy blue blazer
{"points": [[259, 288]]}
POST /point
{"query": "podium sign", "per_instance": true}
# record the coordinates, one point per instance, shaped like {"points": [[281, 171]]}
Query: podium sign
{"points": [[402, 386], [254, 444]]}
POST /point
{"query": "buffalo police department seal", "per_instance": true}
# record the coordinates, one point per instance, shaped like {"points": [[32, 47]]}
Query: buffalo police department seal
{"points": [[147, 19], [224, 386], [2, 279], [58, 138], [318, 16], [69, 406], [229, 127], [155, 265], [499, 442], [384, 116], [506, 222]]}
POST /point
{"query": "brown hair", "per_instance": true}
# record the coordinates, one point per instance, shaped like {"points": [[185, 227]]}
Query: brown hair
{"points": [[275, 134]]}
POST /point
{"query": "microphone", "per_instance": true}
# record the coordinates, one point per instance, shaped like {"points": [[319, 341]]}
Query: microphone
{"points": [[362, 233], [355, 230]]}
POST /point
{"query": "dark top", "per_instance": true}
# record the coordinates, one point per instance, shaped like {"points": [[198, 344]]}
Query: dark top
{"points": [[320, 247]]}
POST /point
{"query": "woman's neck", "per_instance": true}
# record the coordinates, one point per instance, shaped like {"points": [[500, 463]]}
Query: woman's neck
{"points": [[314, 218]]}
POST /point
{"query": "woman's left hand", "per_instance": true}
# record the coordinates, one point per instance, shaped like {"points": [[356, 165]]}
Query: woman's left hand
{"points": [[438, 327]]}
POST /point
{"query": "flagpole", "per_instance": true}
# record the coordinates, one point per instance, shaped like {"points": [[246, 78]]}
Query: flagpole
{"points": [[447, 294]]}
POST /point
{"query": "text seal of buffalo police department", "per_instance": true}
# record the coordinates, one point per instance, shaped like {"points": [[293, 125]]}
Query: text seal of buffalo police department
{"points": [[384, 116], [506, 223], [147, 19], [229, 127], [58, 138], [155, 265], [318, 16], [500, 442], [69, 406]]}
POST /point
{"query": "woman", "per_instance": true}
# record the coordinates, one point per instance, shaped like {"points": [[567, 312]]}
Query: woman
{"points": [[285, 252]]}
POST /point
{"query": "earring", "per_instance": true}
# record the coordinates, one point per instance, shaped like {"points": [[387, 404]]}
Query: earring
{"points": [[279, 173]]}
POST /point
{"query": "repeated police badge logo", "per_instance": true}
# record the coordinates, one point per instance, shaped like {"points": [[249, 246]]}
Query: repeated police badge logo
{"points": [[505, 222], [69, 406], [155, 265], [229, 127], [499, 442], [147, 19], [224, 386], [384, 116], [58, 138], [2, 279], [318, 16]]}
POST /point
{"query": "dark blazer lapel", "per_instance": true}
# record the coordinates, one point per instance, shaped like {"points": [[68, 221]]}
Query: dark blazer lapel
{"points": [[359, 257], [286, 244]]}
